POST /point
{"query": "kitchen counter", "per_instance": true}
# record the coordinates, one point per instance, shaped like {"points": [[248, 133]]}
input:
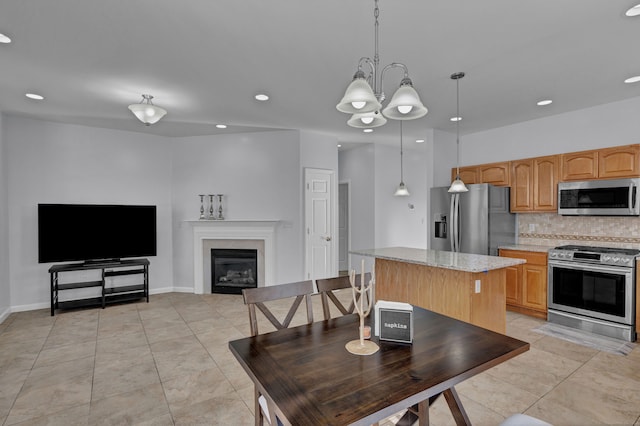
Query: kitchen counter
{"points": [[441, 259], [527, 247], [468, 287]]}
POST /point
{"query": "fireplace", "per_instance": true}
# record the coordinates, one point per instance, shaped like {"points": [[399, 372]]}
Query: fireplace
{"points": [[233, 269]]}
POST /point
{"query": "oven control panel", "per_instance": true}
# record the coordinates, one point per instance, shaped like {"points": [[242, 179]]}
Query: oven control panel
{"points": [[620, 259]]}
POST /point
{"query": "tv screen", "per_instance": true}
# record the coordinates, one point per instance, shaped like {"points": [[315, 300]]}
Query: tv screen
{"points": [[73, 232]]}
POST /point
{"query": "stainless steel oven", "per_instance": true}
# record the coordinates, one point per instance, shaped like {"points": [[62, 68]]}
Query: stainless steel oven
{"points": [[593, 289]]}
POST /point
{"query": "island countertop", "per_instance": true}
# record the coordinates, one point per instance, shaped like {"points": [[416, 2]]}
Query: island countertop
{"points": [[441, 259]]}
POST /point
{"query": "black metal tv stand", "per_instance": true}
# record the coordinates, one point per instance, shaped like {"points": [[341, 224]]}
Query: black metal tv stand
{"points": [[108, 294]]}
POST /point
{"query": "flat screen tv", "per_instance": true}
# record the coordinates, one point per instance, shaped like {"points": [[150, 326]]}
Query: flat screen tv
{"points": [[94, 232]]}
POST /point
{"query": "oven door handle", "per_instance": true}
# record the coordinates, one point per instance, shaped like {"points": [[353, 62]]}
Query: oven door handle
{"points": [[591, 267]]}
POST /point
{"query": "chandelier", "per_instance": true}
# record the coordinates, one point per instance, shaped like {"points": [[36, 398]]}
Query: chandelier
{"points": [[365, 95]]}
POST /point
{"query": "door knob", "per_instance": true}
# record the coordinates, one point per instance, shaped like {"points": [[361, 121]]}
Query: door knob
{"points": [[327, 238]]}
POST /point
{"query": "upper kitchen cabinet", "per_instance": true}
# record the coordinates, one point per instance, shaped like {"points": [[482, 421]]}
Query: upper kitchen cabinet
{"points": [[534, 184], [495, 173], [621, 161], [606, 163], [580, 165], [467, 174]]}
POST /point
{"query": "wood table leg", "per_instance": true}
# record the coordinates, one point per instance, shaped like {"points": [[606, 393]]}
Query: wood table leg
{"points": [[455, 405]]}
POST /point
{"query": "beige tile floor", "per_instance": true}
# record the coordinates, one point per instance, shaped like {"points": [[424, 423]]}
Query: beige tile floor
{"points": [[167, 362]]}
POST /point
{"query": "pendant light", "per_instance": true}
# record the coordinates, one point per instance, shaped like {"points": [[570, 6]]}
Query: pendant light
{"points": [[458, 185], [146, 111], [402, 190], [365, 94]]}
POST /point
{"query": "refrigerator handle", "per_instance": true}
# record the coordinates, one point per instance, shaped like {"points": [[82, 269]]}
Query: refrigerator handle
{"points": [[455, 222], [452, 223]]}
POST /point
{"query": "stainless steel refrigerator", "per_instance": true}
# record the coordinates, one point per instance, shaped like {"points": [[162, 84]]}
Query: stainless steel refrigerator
{"points": [[477, 221]]}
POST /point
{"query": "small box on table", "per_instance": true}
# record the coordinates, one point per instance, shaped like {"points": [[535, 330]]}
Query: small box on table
{"points": [[394, 321]]}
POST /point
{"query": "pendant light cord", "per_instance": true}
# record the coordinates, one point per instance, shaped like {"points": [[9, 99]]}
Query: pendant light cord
{"points": [[401, 168], [457, 128]]}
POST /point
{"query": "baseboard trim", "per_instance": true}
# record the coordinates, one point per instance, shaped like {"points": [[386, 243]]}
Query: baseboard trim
{"points": [[31, 307], [4, 315]]}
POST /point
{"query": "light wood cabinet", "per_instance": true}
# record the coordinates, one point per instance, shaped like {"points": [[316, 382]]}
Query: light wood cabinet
{"points": [[621, 161], [580, 165], [606, 163], [638, 297], [534, 184], [526, 286], [494, 173], [468, 175]]}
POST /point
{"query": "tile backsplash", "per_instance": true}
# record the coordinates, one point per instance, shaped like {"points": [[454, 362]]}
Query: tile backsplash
{"points": [[550, 229]]}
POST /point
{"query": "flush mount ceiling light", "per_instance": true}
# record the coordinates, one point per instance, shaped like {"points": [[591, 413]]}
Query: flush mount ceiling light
{"points": [[402, 190], [4, 39], [221, 126], [544, 102], [261, 97], [458, 185], [365, 94], [633, 79], [634, 11], [146, 111]]}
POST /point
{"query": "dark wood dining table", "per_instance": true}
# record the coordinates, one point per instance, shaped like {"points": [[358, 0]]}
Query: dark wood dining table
{"points": [[313, 380]]}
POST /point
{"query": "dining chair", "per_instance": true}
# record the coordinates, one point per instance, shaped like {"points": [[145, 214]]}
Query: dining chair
{"points": [[257, 298], [327, 288]]}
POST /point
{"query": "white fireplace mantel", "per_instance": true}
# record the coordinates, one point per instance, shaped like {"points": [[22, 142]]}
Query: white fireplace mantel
{"points": [[233, 230]]}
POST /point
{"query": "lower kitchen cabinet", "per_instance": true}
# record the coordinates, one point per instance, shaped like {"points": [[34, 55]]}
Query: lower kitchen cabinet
{"points": [[526, 288], [638, 298]]}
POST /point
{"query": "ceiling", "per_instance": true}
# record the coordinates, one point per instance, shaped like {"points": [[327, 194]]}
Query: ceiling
{"points": [[204, 61]]}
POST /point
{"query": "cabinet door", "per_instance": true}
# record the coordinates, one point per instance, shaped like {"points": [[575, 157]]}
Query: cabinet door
{"points": [[622, 161], [534, 280], [514, 277], [468, 174], [545, 183], [580, 165], [496, 174], [522, 186]]}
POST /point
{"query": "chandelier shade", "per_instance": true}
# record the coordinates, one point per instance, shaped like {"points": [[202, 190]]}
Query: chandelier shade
{"points": [[146, 111], [405, 103], [367, 120], [359, 97]]}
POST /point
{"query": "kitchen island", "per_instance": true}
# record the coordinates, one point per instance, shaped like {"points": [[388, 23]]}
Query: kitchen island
{"points": [[468, 287]]}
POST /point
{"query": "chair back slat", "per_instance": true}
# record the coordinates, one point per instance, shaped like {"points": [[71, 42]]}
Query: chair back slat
{"points": [[256, 297], [326, 288]]}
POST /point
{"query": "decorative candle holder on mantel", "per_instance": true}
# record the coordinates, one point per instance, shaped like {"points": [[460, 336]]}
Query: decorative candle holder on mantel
{"points": [[211, 216], [362, 346], [202, 216]]}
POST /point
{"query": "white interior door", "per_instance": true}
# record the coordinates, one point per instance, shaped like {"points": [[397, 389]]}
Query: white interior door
{"points": [[343, 227], [320, 245]]}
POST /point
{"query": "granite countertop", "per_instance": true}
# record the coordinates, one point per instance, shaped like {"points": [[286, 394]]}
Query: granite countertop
{"points": [[527, 247], [441, 259]]}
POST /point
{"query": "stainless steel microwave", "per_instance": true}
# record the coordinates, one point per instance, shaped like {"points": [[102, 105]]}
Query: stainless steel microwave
{"points": [[611, 197]]}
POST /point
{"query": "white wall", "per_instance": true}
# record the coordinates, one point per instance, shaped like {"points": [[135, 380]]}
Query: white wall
{"points": [[396, 223], [357, 167], [5, 288], [62, 163], [605, 125], [259, 173]]}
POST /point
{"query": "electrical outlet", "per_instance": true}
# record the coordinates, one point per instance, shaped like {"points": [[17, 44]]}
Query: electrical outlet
{"points": [[532, 227], [477, 286]]}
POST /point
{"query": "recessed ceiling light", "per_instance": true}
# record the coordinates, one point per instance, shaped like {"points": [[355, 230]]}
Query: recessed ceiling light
{"points": [[544, 102], [633, 79], [368, 130], [221, 126], [455, 119], [339, 146], [4, 39], [419, 140], [34, 96], [262, 97], [634, 11]]}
